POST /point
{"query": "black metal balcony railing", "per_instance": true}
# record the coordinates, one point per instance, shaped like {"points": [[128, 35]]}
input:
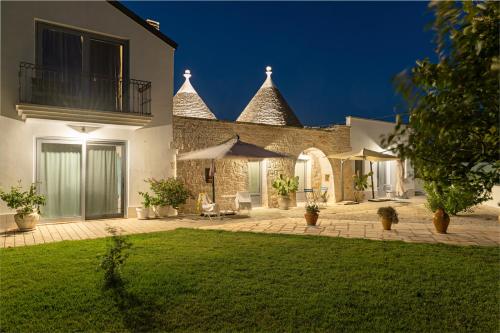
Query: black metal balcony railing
{"points": [[43, 86]]}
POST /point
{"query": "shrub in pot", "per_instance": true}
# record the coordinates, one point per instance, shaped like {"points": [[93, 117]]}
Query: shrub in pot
{"points": [[170, 194], [360, 185], [437, 202], [143, 212], [388, 216], [26, 203], [284, 186], [312, 213]]}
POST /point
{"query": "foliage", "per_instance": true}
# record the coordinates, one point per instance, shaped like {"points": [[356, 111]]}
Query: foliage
{"points": [[114, 259], [181, 277], [170, 191], [147, 199], [286, 185], [453, 199], [452, 136], [360, 184], [388, 213], [324, 196], [312, 208], [25, 202]]}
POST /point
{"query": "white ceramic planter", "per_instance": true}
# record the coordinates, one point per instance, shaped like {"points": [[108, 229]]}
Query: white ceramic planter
{"points": [[27, 222], [142, 213], [172, 211], [162, 211], [284, 202]]}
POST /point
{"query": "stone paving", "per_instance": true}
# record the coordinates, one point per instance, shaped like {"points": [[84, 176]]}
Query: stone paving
{"points": [[481, 227]]}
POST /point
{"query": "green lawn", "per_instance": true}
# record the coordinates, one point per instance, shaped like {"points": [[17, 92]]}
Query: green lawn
{"points": [[189, 280]]}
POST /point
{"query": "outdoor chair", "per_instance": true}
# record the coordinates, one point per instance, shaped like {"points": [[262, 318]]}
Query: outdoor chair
{"points": [[208, 208], [311, 197], [243, 201]]}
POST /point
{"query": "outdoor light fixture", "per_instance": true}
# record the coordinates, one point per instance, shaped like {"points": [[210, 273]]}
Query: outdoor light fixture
{"points": [[84, 129]]}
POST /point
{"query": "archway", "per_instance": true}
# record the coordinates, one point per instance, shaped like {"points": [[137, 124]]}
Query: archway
{"points": [[315, 175]]}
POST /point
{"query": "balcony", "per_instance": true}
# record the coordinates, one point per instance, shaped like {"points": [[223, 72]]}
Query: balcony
{"points": [[48, 94]]}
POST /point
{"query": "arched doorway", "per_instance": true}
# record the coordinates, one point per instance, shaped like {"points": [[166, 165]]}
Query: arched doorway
{"points": [[315, 175]]}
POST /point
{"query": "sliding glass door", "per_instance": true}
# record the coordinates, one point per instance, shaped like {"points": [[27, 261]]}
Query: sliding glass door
{"points": [[104, 180], [59, 177], [68, 172]]}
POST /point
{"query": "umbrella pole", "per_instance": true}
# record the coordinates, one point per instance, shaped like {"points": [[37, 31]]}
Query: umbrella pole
{"points": [[371, 171], [342, 180], [213, 181]]}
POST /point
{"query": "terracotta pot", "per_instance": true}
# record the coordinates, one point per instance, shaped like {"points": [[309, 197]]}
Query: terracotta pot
{"points": [[386, 223], [27, 222], [311, 218], [284, 202], [441, 221]]}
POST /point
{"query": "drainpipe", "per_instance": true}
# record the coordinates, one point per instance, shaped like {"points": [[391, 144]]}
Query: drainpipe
{"points": [[342, 179]]}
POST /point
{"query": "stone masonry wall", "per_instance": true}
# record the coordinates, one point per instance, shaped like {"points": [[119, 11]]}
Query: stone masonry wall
{"points": [[231, 175]]}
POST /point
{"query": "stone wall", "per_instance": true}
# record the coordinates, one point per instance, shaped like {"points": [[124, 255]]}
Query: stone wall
{"points": [[231, 175]]}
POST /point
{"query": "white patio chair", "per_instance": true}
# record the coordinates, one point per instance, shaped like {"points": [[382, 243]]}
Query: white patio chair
{"points": [[208, 208], [243, 201]]}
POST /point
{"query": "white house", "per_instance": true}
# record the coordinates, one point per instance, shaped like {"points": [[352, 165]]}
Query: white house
{"points": [[85, 111], [368, 133]]}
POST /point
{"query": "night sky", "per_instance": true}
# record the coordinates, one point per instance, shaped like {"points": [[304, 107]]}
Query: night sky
{"points": [[329, 59]]}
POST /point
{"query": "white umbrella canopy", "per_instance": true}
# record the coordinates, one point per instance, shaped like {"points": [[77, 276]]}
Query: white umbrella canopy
{"points": [[231, 149], [362, 155]]}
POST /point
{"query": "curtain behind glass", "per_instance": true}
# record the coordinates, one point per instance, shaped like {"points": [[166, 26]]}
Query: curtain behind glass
{"points": [[62, 63], [60, 170], [103, 181], [254, 177], [105, 67], [300, 171]]}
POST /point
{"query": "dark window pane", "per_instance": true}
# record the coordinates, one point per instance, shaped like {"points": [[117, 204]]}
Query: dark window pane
{"points": [[61, 51]]}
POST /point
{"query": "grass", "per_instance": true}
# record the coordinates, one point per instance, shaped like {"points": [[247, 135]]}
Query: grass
{"points": [[191, 280]]}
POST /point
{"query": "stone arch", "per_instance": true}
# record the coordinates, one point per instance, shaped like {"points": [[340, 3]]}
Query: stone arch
{"points": [[315, 173]]}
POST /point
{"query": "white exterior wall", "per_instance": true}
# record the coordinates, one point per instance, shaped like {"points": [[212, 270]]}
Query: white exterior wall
{"points": [[367, 133], [150, 59]]}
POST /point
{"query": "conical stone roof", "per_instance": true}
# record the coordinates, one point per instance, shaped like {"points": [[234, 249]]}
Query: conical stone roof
{"points": [[269, 107], [187, 102]]}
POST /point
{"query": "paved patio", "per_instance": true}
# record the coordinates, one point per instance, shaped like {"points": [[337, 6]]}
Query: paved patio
{"points": [[481, 227]]}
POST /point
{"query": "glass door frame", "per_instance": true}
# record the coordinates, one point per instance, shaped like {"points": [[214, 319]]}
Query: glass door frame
{"points": [[83, 170], [123, 144]]}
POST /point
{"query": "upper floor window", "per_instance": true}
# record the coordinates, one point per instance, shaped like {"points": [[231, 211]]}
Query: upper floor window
{"points": [[79, 52]]}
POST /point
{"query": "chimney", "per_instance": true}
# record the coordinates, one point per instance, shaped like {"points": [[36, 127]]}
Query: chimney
{"points": [[154, 24]]}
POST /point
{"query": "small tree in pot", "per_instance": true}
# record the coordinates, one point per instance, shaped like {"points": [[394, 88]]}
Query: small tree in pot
{"points": [[147, 200], [388, 216], [284, 186], [360, 185], [176, 193], [26, 203], [312, 213]]}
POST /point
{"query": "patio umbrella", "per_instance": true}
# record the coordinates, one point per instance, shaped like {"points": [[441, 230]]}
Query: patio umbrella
{"points": [[231, 149], [362, 155]]}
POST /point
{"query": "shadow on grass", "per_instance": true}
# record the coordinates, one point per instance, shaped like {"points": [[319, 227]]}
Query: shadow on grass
{"points": [[137, 314]]}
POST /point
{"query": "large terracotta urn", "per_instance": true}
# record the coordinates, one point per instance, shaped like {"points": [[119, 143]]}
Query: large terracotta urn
{"points": [[441, 221]]}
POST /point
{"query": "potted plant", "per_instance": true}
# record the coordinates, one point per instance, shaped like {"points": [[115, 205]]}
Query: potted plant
{"points": [[360, 185], [27, 205], [437, 202], [170, 194], [143, 212], [159, 202], [284, 186], [388, 216], [312, 213]]}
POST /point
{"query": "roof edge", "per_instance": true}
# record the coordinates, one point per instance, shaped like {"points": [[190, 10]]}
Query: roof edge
{"points": [[143, 23]]}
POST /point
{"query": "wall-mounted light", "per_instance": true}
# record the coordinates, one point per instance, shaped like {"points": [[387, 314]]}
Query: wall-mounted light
{"points": [[84, 130]]}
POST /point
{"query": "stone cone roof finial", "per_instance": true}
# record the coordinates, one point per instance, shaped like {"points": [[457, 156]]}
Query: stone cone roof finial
{"points": [[187, 102], [268, 106]]}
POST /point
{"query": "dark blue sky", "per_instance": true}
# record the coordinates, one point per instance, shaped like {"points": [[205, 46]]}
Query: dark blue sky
{"points": [[329, 59]]}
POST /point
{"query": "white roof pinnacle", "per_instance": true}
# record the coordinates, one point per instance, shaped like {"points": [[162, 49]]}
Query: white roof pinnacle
{"points": [[186, 86], [268, 82]]}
